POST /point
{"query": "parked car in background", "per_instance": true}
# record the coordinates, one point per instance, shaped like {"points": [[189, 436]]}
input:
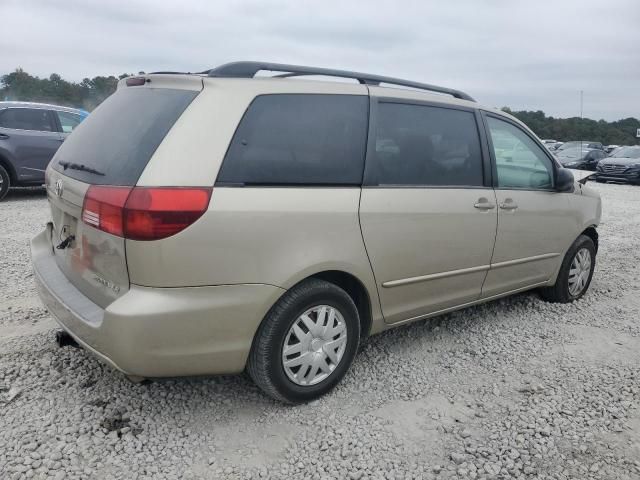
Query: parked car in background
{"points": [[610, 148], [582, 144], [551, 144], [30, 134], [622, 166], [614, 150], [302, 217], [580, 158]]}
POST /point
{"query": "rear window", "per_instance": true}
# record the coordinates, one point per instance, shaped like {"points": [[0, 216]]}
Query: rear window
{"points": [[298, 139], [117, 140]]}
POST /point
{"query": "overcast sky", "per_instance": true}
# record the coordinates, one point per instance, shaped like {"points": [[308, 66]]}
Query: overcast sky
{"points": [[531, 54]]}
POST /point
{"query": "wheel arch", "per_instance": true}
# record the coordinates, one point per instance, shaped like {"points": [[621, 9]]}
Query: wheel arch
{"points": [[4, 161], [356, 290], [592, 233]]}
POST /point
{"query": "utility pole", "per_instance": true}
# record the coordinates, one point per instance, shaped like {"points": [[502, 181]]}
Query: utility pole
{"points": [[581, 103]]}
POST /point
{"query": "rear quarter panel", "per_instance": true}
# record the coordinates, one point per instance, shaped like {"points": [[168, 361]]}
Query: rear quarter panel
{"points": [[274, 236]]}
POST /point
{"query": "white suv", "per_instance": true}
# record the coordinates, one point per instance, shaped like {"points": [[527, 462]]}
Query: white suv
{"points": [[212, 223]]}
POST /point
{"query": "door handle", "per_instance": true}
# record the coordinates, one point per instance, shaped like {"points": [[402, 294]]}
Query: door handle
{"points": [[3, 136], [483, 204], [508, 204]]}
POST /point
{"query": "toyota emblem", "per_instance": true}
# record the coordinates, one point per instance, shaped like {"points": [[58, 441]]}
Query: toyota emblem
{"points": [[59, 188]]}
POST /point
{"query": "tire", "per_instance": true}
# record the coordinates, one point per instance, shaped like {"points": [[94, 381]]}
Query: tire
{"points": [[5, 182], [266, 365], [561, 291]]}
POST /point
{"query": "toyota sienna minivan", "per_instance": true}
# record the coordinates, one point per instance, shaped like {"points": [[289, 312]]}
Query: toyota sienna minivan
{"points": [[220, 222]]}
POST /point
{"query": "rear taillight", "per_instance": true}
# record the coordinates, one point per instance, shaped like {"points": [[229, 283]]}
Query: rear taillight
{"points": [[154, 213], [143, 213], [103, 208]]}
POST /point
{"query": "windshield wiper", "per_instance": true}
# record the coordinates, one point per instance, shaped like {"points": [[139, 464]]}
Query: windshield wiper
{"points": [[79, 166]]}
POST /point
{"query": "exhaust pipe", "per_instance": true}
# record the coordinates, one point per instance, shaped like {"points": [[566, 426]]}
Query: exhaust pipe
{"points": [[63, 339]]}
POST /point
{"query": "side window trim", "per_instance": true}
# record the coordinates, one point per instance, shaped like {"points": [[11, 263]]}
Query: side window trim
{"points": [[494, 169], [487, 159], [487, 170], [56, 120]]}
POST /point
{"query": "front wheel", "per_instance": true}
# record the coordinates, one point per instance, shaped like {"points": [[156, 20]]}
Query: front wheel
{"points": [[306, 343], [5, 182], [575, 273]]}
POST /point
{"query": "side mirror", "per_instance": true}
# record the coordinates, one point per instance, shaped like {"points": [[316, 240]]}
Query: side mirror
{"points": [[564, 180]]}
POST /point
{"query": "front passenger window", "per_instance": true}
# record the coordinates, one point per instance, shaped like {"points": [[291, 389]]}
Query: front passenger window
{"points": [[520, 162]]}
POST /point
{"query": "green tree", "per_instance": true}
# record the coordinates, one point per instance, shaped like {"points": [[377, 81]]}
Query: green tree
{"points": [[621, 132], [88, 94]]}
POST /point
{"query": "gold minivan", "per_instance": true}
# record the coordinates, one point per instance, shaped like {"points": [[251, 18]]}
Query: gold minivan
{"points": [[220, 222]]}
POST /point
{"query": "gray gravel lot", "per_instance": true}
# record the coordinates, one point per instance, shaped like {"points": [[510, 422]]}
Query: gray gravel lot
{"points": [[517, 388]]}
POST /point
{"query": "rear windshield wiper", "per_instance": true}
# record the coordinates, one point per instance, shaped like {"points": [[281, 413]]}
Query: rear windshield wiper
{"points": [[79, 166]]}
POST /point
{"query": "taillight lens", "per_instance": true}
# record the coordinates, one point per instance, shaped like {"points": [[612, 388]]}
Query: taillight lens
{"points": [[154, 213], [103, 208], [144, 213]]}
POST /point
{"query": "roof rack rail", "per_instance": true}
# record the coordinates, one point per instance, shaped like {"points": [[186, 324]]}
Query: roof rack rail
{"points": [[249, 70]]}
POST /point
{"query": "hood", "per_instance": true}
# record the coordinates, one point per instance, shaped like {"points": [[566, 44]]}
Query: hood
{"points": [[620, 161]]}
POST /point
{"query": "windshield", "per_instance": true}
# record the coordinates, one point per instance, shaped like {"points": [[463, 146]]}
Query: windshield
{"points": [[627, 152]]}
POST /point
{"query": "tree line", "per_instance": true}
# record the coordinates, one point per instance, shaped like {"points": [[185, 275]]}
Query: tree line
{"points": [[620, 132], [90, 92], [87, 94]]}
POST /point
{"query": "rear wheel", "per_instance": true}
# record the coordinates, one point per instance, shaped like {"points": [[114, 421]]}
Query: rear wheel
{"points": [[575, 273], [5, 182], [306, 343]]}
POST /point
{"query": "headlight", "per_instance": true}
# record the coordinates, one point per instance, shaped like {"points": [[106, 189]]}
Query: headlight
{"points": [[572, 164]]}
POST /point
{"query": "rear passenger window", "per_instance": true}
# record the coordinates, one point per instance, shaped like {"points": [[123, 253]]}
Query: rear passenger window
{"points": [[423, 145], [27, 119], [294, 139]]}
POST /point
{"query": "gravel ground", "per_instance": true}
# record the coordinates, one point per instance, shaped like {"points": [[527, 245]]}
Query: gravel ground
{"points": [[517, 388]]}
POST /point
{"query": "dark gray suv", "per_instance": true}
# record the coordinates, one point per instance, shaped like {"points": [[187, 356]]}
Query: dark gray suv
{"points": [[30, 134]]}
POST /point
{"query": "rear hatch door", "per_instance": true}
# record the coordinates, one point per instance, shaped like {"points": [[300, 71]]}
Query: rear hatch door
{"points": [[111, 147]]}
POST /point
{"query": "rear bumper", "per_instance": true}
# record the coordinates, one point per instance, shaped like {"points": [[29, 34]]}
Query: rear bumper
{"points": [[157, 332]]}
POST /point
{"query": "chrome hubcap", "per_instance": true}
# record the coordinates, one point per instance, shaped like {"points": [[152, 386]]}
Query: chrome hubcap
{"points": [[314, 345], [579, 272]]}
